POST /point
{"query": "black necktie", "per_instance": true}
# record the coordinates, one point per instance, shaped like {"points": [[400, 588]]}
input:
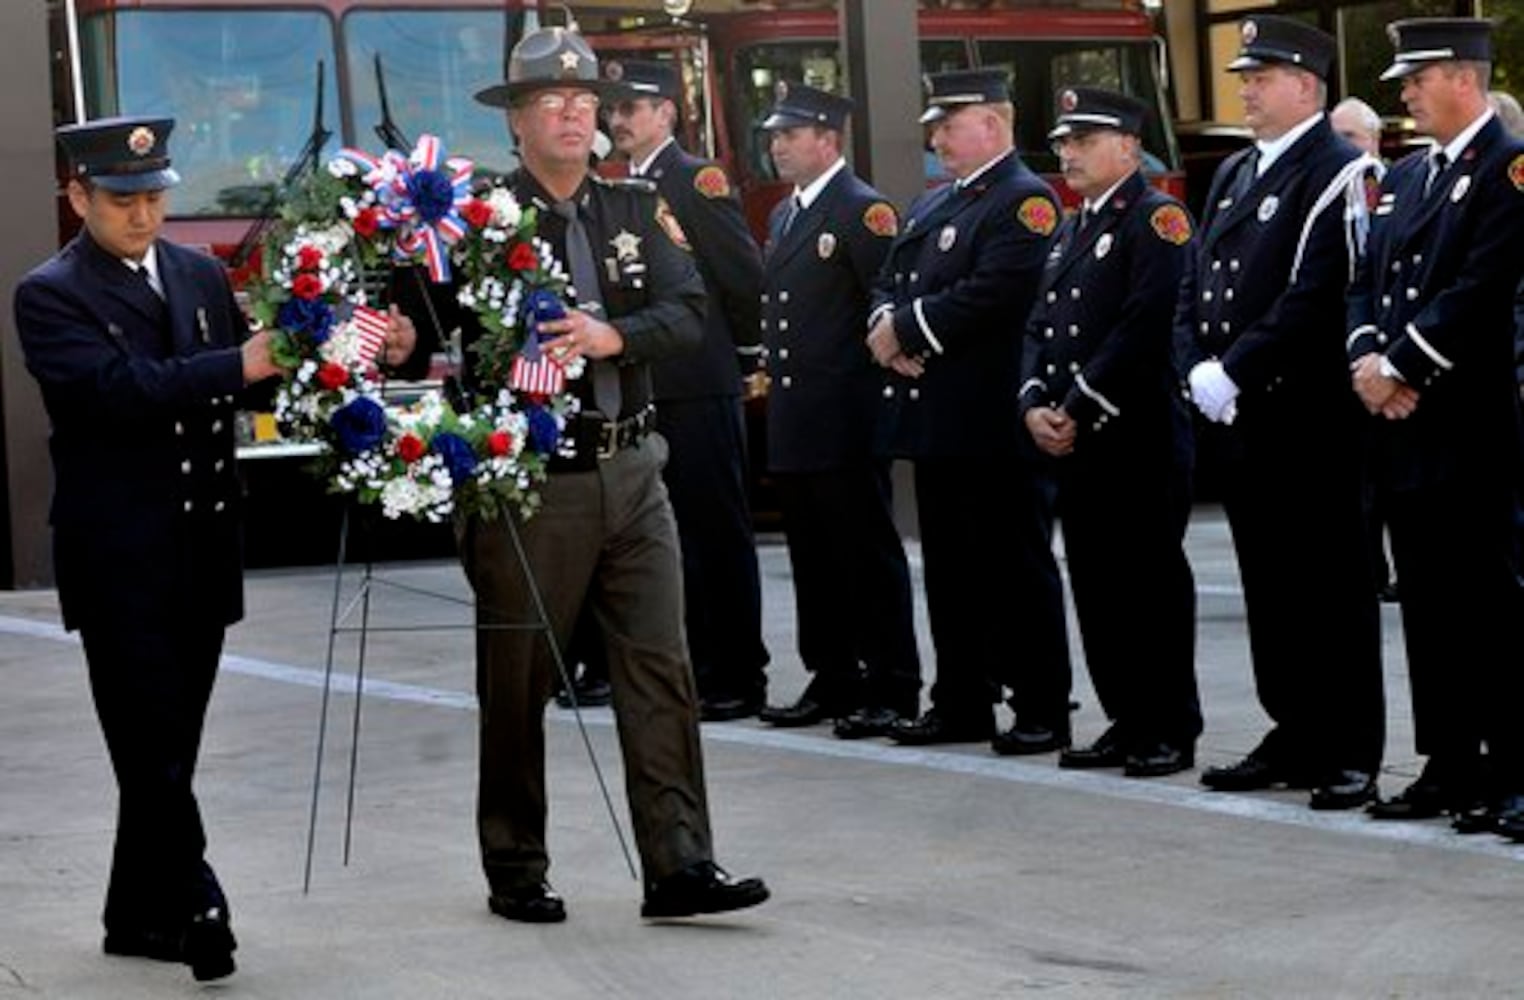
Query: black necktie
{"points": [[1247, 174], [794, 208], [584, 276], [141, 273], [1437, 164]]}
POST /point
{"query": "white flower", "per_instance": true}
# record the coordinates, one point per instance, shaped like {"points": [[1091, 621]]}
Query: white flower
{"points": [[340, 167], [505, 208]]}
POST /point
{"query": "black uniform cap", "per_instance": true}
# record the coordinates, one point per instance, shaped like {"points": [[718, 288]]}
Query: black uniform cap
{"points": [[1083, 109], [1269, 39], [947, 92], [1423, 41], [121, 154], [644, 78], [800, 105]]}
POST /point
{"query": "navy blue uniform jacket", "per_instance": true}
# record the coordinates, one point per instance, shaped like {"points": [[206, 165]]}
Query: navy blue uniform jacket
{"points": [[731, 266], [959, 280], [1435, 294], [146, 496], [825, 385], [1098, 341]]}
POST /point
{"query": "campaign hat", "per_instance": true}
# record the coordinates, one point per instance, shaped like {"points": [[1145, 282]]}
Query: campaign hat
{"points": [[549, 57]]}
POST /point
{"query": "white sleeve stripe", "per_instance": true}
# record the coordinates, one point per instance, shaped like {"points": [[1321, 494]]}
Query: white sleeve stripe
{"points": [[1360, 331], [1105, 404], [920, 319], [1428, 348], [878, 314], [1031, 383]]}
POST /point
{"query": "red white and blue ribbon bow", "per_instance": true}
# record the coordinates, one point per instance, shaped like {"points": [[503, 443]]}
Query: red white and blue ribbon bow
{"points": [[420, 197]]}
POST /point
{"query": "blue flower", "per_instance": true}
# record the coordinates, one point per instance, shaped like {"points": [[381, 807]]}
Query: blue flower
{"points": [[541, 306], [544, 432], [306, 316], [432, 194], [459, 457], [360, 425]]}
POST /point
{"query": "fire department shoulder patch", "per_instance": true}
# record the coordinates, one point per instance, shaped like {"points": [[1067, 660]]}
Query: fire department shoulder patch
{"points": [[670, 226], [711, 182], [1171, 224], [1038, 215], [881, 220], [1516, 172]]}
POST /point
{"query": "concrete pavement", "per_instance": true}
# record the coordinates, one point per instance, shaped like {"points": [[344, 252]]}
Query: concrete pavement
{"points": [[896, 873]]}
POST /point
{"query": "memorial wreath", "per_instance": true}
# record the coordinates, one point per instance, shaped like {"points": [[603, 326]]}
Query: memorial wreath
{"points": [[336, 236]]}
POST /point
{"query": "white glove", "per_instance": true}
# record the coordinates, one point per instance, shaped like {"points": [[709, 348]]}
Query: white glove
{"points": [[1213, 392]]}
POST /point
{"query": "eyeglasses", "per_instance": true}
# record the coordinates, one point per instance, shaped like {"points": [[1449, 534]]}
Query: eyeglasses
{"points": [[554, 102]]}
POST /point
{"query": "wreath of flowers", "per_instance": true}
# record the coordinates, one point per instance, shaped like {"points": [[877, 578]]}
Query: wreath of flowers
{"points": [[343, 228]]}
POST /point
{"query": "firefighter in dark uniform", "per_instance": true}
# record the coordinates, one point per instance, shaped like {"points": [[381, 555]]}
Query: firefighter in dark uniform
{"points": [[946, 321], [142, 356], [1099, 396], [605, 533], [1430, 343], [826, 243], [1258, 331], [698, 396]]}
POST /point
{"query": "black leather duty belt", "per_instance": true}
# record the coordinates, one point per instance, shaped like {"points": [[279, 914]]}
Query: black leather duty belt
{"points": [[598, 440]]}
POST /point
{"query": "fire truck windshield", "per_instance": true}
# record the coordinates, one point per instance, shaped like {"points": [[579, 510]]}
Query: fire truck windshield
{"points": [[240, 84]]}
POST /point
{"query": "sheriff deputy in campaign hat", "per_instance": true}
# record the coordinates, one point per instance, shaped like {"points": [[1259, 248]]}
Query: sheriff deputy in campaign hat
{"points": [[1278, 242], [1430, 345], [635, 297]]}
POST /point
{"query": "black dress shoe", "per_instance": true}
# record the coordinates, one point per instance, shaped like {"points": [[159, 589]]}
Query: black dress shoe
{"points": [[1508, 817], [704, 887], [933, 727], [1344, 789], [1104, 752], [866, 723], [1423, 799], [1024, 739], [1157, 760], [209, 945], [1252, 774], [161, 946], [591, 692], [804, 712], [726, 709], [530, 904]]}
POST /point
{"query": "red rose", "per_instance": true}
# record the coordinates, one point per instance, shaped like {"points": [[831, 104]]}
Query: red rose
{"points": [[306, 286], [367, 222], [476, 212], [331, 376], [410, 449], [499, 444], [523, 258], [309, 258]]}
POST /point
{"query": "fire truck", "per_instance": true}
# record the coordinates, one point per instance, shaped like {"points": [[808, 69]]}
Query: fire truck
{"points": [[262, 88]]}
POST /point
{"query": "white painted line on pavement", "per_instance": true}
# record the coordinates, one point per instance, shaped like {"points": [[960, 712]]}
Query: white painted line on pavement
{"points": [[1044, 775]]}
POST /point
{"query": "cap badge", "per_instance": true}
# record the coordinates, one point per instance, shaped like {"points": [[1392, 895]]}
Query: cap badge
{"points": [[780, 90], [141, 140], [614, 70], [569, 60], [1068, 100], [1249, 32]]}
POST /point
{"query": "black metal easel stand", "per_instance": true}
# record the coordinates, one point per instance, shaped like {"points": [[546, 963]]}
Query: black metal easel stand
{"points": [[338, 616]]}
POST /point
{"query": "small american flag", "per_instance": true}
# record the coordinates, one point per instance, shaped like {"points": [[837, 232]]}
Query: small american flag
{"points": [[543, 377], [370, 326]]}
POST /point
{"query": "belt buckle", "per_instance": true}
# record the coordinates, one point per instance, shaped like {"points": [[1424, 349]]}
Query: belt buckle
{"points": [[608, 440]]}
